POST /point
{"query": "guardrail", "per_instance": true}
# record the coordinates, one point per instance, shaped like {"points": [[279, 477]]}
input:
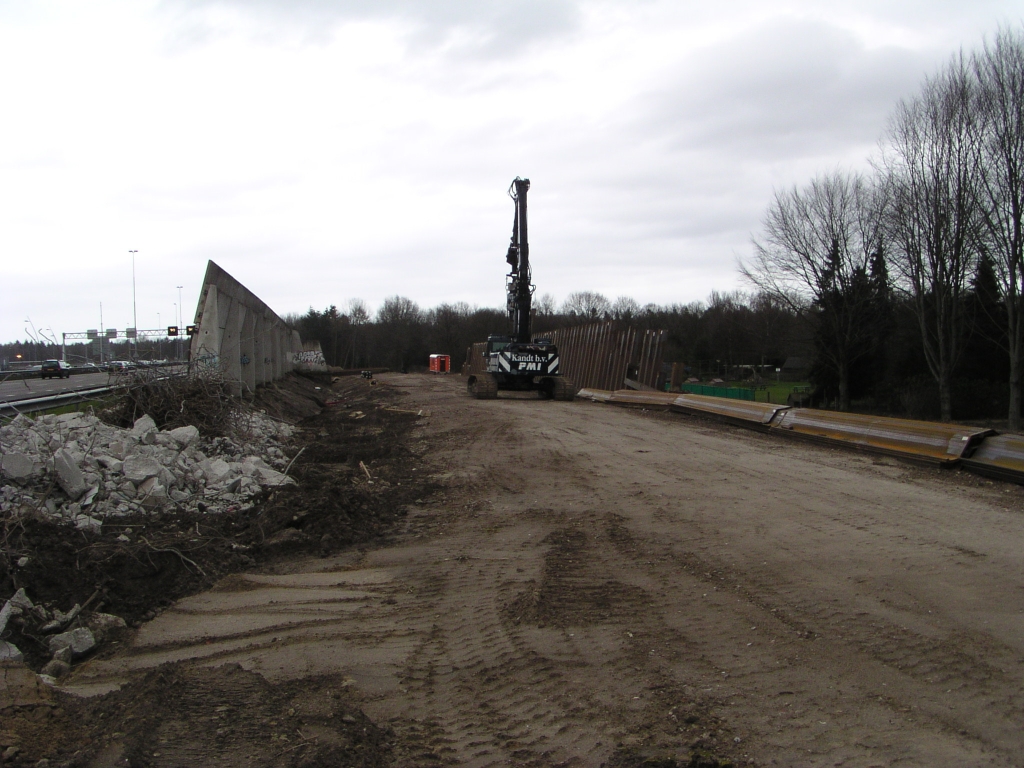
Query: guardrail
{"points": [[79, 370], [33, 404], [977, 449]]}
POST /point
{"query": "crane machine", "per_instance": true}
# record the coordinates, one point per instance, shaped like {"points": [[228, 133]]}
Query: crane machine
{"points": [[518, 361]]}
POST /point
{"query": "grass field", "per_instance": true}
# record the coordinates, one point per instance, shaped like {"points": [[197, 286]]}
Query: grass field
{"points": [[72, 407], [770, 392]]}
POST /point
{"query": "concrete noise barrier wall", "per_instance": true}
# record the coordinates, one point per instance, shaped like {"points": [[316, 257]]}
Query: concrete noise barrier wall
{"points": [[240, 335]]}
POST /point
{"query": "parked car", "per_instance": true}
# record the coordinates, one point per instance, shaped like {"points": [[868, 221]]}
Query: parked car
{"points": [[51, 368]]}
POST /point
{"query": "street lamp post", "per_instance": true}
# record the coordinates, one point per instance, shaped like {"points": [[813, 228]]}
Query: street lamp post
{"points": [[180, 313], [135, 316]]}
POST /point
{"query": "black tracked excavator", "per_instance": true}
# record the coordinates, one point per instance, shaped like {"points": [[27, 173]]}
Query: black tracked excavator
{"points": [[517, 361]]}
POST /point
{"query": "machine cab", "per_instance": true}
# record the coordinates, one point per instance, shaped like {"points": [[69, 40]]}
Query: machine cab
{"points": [[496, 344]]}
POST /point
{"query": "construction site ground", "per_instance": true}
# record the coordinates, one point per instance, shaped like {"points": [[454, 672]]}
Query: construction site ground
{"points": [[538, 583]]}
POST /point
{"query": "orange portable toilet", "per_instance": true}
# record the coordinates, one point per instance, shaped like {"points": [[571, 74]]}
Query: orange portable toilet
{"points": [[440, 363]]}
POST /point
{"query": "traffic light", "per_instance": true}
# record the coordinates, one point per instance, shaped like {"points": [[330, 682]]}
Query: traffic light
{"points": [[191, 330], [172, 330]]}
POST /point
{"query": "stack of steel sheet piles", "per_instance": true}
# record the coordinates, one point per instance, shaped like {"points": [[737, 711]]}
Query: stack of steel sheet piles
{"points": [[643, 399], [597, 395], [917, 440], [1001, 456], [742, 412], [978, 449]]}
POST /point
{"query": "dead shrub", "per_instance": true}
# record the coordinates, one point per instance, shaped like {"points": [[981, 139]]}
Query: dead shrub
{"points": [[200, 399]]}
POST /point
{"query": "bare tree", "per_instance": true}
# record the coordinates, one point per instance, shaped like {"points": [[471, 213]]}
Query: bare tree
{"points": [[586, 304], [448, 323], [398, 310], [358, 314], [999, 70], [815, 257], [399, 331], [625, 308], [932, 171], [545, 305]]}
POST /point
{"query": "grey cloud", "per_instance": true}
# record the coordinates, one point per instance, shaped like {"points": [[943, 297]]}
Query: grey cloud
{"points": [[789, 88], [497, 28]]}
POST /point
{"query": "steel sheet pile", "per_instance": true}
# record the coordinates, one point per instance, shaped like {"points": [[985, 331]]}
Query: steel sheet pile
{"points": [[604, 354], [980, 450]]}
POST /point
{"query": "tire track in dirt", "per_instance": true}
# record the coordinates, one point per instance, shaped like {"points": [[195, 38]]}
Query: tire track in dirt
{"points": [[602, 585]]}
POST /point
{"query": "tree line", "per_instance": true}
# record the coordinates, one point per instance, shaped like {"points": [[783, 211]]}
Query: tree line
{"points": [[726, 331], [931, 239]]}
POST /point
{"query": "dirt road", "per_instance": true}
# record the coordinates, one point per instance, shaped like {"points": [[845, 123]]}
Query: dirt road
{"points": [[598, 585]]}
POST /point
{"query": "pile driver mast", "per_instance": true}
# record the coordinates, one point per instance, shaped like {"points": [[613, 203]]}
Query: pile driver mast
{"points": [[517, 361], [520, 287]]}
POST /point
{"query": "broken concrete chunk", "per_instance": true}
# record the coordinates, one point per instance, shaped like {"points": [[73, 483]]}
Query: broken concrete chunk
{"points": [[215, 470], [153, 494], [21, 421], [20, 600], [17, 466], [86, 523], [142, 425], [80, 641], [10, 652], [184, 436], [140, 468], [90, 495], [112, 463], [272, 477], [5, 615], [69, 476], [167, 478], [104, 625]]}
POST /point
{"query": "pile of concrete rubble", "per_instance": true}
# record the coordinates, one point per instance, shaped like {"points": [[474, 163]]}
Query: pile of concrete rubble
{"points": [[68, 636], [78, 470]]}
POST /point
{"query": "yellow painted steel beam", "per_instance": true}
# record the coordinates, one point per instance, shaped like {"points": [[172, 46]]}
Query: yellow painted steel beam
{"points": [[928, 441]]}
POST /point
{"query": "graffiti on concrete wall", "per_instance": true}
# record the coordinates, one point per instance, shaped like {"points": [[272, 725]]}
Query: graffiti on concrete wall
{"points": [[311, 358]]}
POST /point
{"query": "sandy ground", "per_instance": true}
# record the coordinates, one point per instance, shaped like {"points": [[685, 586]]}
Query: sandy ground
{"points": [[598, 585]]}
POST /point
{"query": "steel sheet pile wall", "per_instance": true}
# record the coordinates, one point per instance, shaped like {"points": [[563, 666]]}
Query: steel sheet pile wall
{"points": [[475, 362], [605, 355], [240, 334]]}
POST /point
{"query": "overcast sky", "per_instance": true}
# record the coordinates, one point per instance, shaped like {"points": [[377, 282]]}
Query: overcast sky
{"points": [[320, 150]]}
